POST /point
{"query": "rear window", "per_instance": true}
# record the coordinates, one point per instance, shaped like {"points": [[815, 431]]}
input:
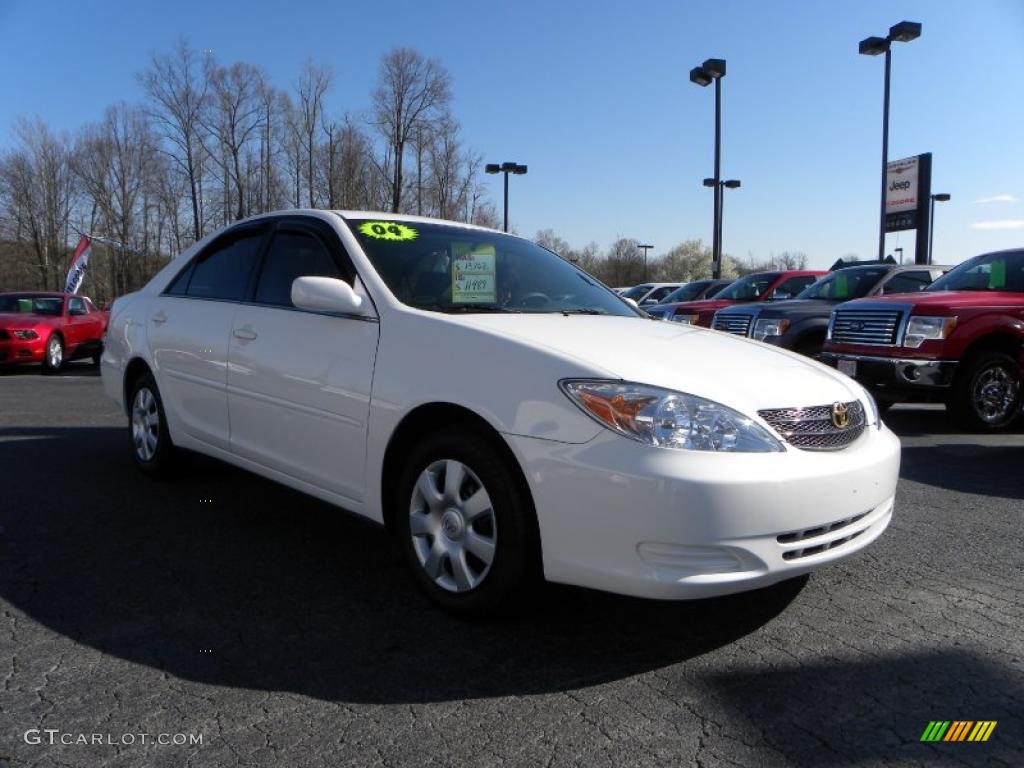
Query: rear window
{"points": [[1003, 271]]}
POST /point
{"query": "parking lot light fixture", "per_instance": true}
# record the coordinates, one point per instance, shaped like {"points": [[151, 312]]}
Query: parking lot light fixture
{"points": [[938, 197], [714, 70], [506, 168], [903, 32], [645, 249]]}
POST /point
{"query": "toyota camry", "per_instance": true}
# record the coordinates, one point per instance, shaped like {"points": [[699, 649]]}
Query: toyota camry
{"points": [[504, 415]]}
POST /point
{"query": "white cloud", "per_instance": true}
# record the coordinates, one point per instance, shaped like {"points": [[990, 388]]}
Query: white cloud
{"points": [[1000, 224], [997, 199]]}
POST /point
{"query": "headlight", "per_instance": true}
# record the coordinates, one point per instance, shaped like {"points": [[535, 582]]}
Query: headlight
{"points": [[684, 318], [921, 329], [25, 335], [763, 328], [668, 419]]}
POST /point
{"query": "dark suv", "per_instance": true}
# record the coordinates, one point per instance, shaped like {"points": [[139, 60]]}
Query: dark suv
{"points": [[697, 290], [801, 323]]}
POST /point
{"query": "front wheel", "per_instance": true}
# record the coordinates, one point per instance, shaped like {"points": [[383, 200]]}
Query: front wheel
{"points": [[151, 444], [987, 394], [466, 525], [53, 355]]}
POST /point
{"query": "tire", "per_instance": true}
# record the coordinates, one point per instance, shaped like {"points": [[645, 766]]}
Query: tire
{"points": [[470, 554], [986, 394], [96, 358], [152, 449], [53, 354]]}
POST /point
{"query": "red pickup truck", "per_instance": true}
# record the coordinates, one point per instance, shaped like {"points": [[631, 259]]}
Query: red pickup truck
{"points": [[961, 342], [759, 286], [49, 328]]}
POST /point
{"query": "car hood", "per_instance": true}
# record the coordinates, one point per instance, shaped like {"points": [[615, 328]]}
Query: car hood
{"points": [[791, 308], [940, 300], [737, 372]]}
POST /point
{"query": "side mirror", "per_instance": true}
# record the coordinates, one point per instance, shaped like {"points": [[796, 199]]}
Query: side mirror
{"points": [[325, 294], [632, 303]]}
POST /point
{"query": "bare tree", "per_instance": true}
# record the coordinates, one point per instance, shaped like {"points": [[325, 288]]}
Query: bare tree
{"points": [[177, 86], [37, 188], [235, 117], [313, 85], [411, 90]]}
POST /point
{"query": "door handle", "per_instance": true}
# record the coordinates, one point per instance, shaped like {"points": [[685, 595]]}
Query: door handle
{"points": [[159, 318], [245, 333]]}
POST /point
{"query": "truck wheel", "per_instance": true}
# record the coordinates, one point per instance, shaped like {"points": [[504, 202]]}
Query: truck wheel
{"points": [[987, 393]]}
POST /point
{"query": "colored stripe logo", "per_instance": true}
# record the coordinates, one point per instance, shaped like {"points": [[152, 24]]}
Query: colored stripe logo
{"points": [[959, 730]]}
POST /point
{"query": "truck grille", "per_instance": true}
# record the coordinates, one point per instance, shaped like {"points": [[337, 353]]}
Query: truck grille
{"points": [[814, 428], [866, 326], [736, 324]]}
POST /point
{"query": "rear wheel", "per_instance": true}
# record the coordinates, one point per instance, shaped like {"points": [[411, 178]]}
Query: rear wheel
{"points": [[53, 354], [465, 524], [986, 395], [151, 444]]}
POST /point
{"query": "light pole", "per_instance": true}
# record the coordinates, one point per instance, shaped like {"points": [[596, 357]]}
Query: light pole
{"points": [[720, 193], [941, 197], [506, 168], [645, 249], [903, 32], [714, 70]]}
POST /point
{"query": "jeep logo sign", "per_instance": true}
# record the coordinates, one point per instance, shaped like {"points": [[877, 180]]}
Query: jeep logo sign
{"points": [[901, 185]]}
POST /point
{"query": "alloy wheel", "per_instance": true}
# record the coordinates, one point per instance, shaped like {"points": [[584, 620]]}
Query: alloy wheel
{"points": [[145, 424], [452, 525], [54, 353], [995, 393]]}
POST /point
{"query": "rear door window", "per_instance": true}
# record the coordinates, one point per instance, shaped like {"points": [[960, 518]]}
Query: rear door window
{"points": [[222, 271]]}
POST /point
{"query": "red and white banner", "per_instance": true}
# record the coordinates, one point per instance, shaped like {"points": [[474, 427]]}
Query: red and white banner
{"points": [[79, 263]]}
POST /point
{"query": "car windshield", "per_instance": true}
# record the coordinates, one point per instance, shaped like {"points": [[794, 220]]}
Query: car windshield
{"points": [[637, 292], [448, 268], [1003, 271], [749, 287], [845, 284], [687, 292], [31, 305]]}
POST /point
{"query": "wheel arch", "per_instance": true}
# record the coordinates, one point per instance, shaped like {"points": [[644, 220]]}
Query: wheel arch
{"points": [[423, 420], [1001, 340]]}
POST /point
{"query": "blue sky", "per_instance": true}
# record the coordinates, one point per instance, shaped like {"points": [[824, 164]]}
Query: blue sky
{"points": [[595, 98]]}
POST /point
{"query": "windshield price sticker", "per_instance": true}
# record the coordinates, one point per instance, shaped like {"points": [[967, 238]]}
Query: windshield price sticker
{"points": [[388, 230], [473, 277]]}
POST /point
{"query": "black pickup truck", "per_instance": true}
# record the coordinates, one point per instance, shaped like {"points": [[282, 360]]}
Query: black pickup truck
{"points": [[801, 323]]}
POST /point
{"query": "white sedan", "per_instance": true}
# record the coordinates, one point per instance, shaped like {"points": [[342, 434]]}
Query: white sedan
{"points": [[505, 415]]}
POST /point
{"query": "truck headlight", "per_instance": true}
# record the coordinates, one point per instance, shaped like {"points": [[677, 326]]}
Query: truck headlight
{"points": [[668, 419], [691, 319], [922, 328], [763, 328]]}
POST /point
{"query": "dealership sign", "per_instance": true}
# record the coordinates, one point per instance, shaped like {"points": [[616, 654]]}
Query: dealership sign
{"points": [[907, 191]]}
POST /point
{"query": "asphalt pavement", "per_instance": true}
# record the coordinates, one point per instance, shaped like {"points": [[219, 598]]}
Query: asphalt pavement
{"points": [[280, 632]]}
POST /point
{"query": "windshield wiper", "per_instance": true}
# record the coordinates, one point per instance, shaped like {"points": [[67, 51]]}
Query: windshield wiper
{"points": [[582, 311]]}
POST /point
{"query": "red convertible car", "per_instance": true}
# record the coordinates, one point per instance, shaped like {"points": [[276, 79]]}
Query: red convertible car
{"points": [[49, 328]]}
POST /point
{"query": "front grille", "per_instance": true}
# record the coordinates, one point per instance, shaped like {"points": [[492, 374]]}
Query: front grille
{"points": [[866, 326], [814, 428], [732, 323]]}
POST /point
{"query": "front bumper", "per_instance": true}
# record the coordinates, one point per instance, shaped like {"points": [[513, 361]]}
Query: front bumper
{"points": [[651, 522], [13, 351], [897, 374]]}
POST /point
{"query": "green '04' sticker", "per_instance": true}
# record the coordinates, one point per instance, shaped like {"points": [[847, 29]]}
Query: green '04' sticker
{"points": [[388, 230]]}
